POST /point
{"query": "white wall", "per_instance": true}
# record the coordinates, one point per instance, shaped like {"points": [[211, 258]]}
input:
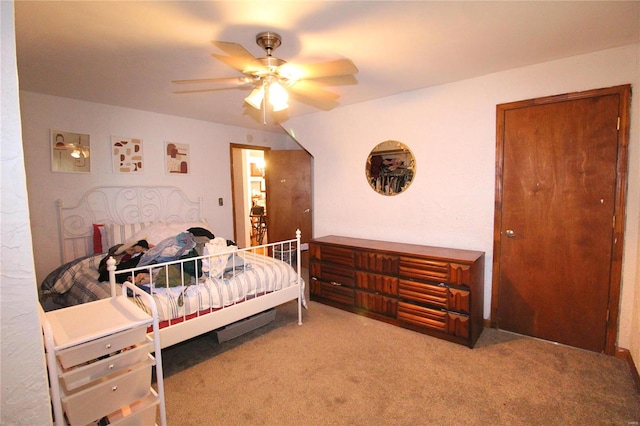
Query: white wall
{"points": [[210, 175], [450, 128], [451, 131], [24, 392]]}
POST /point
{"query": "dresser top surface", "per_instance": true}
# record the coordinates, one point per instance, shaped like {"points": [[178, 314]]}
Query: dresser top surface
{"points": [[401, 248]]}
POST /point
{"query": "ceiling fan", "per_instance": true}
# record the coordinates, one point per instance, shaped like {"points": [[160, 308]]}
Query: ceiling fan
{"points": [[274, 79]]}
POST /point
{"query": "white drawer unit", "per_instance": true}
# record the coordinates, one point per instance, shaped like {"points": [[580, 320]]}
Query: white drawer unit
{"points": [[73, 378], [110, 344], [100, 361]]}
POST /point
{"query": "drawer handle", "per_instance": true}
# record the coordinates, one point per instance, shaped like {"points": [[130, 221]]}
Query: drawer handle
{"points": [[108, 346], [115, 388], [111, 366], [335, 283]]}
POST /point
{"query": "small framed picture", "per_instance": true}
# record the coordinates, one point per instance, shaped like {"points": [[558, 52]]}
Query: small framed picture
{"points": [[126, 155], [177, 158], [70, 152]]}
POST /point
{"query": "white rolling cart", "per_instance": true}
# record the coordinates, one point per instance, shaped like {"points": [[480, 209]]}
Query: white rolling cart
{"points": [[100, 361]]}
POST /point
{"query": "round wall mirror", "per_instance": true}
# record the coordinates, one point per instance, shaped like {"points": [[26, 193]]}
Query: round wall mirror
{"points": [[390, 168]]}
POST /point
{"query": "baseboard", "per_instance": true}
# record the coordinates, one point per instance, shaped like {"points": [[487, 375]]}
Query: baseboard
{"points": [[624, 354]]}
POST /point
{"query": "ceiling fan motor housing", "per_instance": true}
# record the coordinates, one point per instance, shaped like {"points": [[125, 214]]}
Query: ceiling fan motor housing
{"points": [[269, 41], [267, 66]]}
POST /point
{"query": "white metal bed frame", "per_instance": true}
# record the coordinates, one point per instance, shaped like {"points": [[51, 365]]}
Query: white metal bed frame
{"points": [[133, 204], [187, 326]]}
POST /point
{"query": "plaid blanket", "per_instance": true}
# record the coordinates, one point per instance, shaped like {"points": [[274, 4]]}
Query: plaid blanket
{"points": [[75, 282]]}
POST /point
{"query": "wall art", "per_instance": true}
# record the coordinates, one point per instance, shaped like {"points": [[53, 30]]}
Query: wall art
{"points": [[127, 156], [70, 152], [177, 158]]}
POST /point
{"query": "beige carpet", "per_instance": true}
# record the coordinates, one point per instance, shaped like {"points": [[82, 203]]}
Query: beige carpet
{"points": [[343, 369]]}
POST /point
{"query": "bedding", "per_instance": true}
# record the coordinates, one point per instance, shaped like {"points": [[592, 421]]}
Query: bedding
{"points": [[246, 275], [79, 281], [108, 235], [181, 282], [75, 282]]}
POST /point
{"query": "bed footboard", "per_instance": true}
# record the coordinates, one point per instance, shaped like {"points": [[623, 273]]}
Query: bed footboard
{"points": [[200, 294]]}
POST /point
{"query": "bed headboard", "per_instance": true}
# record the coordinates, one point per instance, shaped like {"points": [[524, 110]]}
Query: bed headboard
{"points": [[120, 205]]}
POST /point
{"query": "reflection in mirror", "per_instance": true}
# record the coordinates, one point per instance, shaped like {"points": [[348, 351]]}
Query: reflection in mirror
{"points": [[390, 168], [70, 152]]}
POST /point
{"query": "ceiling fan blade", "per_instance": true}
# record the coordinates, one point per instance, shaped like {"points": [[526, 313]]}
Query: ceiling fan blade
{"points": [[211, 89], [230, 80], [324, 105], [233, 49], [313, 95], [239, 57], [327, 69], [311, 88], [338, 80]]}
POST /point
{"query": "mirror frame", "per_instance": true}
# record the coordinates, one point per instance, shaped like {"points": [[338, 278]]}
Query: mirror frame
{"points": [[390, 168]]}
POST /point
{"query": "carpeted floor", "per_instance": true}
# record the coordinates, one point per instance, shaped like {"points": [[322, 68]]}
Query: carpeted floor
{"points": [[340, 368]]}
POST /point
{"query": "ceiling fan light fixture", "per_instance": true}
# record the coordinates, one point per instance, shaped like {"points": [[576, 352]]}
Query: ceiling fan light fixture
{"points": [[289, 74], [280, 106], [278, 97], [255, 97]]}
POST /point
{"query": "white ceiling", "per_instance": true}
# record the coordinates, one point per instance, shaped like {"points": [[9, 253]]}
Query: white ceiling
{"points": [[127, 53]]}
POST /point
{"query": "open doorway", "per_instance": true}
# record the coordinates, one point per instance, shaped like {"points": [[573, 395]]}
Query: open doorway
{"points": [[249, 194]]}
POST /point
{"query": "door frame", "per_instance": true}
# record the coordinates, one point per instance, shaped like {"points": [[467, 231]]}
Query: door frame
{"points": [[615, 277], [233, 146]]}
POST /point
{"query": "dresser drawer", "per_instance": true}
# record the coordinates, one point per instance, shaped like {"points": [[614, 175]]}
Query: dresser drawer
{"points": [[377, 303], [108, 395], [460, 300], [333, 292], [423, 317], [377, 283], [84, 374], [458, 325], [377, 262], [79, 354], [332, 273], [140, 413], [446, 322], [332, 254], [436, 295], [424, 269]]}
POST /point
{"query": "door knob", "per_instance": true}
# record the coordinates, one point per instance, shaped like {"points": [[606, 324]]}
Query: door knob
{"points": [[510, 233]]}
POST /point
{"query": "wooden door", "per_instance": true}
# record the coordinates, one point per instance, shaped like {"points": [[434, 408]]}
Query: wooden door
{"points": [[560, 196], [288, 176]]}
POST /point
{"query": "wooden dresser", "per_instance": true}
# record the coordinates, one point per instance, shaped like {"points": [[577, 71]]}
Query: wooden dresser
{"points": [[432, 290]]}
